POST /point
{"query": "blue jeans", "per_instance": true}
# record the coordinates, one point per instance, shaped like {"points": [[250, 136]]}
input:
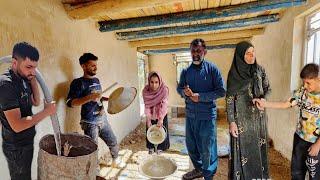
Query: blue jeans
{"points": [[19, 161], [201, 142], [104, 131]]}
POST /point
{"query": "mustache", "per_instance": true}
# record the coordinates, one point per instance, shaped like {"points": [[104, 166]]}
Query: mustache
{"points": [[30, 76], [196, 58]]}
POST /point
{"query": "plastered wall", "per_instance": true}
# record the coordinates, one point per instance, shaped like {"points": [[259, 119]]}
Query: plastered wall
{"points": [[61, 41], [280, 50]]}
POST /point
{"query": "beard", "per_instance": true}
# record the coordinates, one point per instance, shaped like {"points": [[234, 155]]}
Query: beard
{"points": [[23, 76], [91, 73], [197, 60]]}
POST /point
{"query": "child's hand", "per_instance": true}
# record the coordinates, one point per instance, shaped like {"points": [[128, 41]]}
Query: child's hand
{"points": [[314, 149]]}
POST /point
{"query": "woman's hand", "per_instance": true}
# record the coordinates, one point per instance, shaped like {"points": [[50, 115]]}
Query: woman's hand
{"points": [[259, 103], [233, 129]]}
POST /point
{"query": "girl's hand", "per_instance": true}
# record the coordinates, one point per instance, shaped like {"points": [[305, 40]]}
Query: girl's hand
{"points": [[160, 122], [149, 123]]}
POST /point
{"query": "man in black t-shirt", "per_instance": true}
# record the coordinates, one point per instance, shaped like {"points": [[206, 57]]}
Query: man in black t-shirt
{"points": [[18, 93], [86, 92]]}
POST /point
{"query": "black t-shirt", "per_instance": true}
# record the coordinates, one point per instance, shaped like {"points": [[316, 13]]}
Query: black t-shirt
{"points": [[81, 87], [15, 92]]}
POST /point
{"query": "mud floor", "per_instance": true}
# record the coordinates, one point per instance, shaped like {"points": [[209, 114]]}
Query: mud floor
{"points": [[279, 166]]}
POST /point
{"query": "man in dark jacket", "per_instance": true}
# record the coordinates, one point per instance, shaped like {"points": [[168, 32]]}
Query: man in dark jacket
{"points": [[200, 85]]}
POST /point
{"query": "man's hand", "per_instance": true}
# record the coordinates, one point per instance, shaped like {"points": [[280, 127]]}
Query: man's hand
{"points": [[187, 91], [50, 108], [233, 129], [103, 98], [195, 97], [95, 96]]}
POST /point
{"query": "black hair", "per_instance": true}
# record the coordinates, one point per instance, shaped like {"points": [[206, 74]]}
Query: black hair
{"points": [[87, 57], [24, 50], [197, 42], [310, 71]]}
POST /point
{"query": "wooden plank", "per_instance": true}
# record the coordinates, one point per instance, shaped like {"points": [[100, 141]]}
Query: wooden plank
{"points": [[149, 11], [186, 45], [213, 3], [168, 19], [75, 2], [111, 6], [235, 2], [186, 6], [161, 10], [203, 4], [179, 50], [167, 31], [222, 2], [228, 3], [178, 7], [196, 4], [188, 39]]}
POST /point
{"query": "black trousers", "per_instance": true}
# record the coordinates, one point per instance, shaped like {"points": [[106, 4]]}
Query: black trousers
{"points": [[19, 162], [166, 143], [301, 162]]}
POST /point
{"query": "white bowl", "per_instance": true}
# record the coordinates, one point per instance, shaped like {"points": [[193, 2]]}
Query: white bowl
{"points": [[156, 135]]}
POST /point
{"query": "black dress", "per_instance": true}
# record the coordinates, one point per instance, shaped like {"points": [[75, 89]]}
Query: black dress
{"points": [[249, 152]]}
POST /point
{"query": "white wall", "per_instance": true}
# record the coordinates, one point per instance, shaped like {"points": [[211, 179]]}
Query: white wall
{"points": [[61, 41]]}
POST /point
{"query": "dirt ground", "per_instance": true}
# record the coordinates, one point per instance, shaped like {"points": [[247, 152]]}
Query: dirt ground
{"points": [[279, 166]]}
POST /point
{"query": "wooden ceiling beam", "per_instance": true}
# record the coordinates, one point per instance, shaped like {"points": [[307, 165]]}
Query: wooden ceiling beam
{"points": [[169, 31], [221, 12], [76, 1], [187, 45], [111, 6], [180, 50], [189, 38]]}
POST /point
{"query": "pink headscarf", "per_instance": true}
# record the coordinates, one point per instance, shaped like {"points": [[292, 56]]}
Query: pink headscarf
{"points": [[156, 102]]}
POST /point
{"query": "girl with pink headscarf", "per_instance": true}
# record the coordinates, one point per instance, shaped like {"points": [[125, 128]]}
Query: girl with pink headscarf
{"points": [[155, 95]]}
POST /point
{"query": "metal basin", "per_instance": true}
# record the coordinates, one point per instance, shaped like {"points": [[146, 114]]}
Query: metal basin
{"points": [[157, 167]]}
